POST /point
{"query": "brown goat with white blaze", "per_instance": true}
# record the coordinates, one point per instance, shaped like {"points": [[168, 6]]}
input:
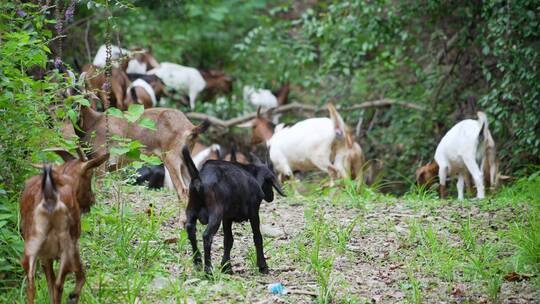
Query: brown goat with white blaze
{"points": [[50, 209]]}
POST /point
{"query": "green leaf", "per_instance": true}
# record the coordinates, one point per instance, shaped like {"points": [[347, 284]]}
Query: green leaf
{"points": [[118, 150], [115, 112], [147, 123], [151, 159], [134, 112]]}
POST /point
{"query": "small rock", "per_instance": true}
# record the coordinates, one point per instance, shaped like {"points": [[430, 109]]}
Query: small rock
{"points": [[270, 231]]}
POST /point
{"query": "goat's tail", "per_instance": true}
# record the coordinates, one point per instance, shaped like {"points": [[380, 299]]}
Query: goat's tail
{"points": [[192, 169], [484, 134], [339, 124], [490, 162], [194, 133], [48, 189]]}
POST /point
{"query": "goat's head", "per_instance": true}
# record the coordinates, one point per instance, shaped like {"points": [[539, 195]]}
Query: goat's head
{"points": [[157, 84], [80, 170], [145, 56], [266, 179], [262, 128], [355, 157], [426, 174], [217, 80]]}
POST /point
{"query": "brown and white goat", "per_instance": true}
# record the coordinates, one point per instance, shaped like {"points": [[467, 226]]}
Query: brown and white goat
{"points": [[173, 130], [50, 208], [460, 151], [327, 144]]}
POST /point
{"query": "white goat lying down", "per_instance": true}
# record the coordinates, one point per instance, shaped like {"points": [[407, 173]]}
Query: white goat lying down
{"points": [[181, 78], [462, 148], [260, 97], [311, 144]]}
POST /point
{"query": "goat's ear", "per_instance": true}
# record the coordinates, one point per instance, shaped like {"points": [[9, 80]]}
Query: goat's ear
{"points": [[95, 162], [247, 124], [65, 155]]}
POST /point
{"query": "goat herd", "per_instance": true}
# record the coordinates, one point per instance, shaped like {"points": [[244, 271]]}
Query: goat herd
{"points": [[220, 190]]}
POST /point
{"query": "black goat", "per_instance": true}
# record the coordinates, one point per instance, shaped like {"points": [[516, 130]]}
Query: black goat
{"points": [[154, 175], [228, 192]]}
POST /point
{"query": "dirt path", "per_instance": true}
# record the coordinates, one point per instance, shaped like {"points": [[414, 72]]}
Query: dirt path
{"points": [[386, 257]]}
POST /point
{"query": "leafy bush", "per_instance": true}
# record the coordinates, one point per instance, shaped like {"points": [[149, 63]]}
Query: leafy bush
{"points": [[24, 129]]}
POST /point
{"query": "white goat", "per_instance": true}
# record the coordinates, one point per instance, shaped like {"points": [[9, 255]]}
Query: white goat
{"points": [[465, 145], [260, 97], [181, 78], [311, 145]]}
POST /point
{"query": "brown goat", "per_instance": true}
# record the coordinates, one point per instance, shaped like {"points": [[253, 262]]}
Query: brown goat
{"points": [[50, 211], [95, 80], [173, 130], [282, 94], [217, 82]]}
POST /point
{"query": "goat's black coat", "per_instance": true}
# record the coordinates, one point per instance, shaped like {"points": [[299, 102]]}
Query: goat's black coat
{"points": [[154, 175], [228, 192]]}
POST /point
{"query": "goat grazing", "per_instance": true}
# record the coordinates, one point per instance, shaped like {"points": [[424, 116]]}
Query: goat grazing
{"points": [[51, 204], [465, 145], [326, 144], [192, 81], [228, 192], [173, 130], [265, 98]]}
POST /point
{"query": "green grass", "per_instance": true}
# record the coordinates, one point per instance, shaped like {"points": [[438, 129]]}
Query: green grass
{"points": [[439, 243]]}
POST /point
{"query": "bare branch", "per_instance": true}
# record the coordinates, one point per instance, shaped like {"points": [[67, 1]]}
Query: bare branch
{"points": [[305, 109]]}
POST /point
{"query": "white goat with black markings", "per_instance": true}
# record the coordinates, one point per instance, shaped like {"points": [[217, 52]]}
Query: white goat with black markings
{"points": [[462, 148]]}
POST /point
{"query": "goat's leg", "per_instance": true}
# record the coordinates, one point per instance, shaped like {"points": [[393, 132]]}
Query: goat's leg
{"points": [[192, 96], [47, 266], [442, 181], [29, 265], [477, 176], [63, 270], [468, 184], [208, 236], [258, 240], [460, 184], [79, 279], [172, 163], [228, 241], [191, 228]]}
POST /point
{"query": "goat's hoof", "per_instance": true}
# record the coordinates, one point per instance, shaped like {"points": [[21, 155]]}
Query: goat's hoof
{"points": [[73, 298], [264, 270]]}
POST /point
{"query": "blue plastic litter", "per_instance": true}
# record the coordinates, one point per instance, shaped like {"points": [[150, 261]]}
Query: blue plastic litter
{"points": [[277, 288]]}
